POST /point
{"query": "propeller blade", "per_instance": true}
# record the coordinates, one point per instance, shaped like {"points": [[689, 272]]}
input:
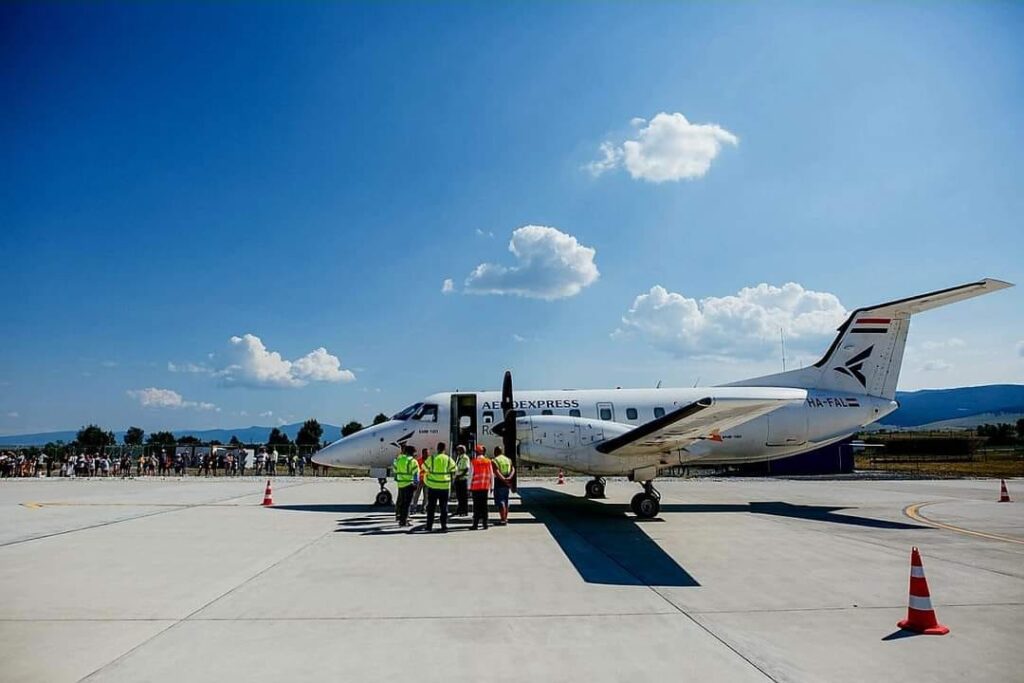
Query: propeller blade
{"points": [[508, 427]]}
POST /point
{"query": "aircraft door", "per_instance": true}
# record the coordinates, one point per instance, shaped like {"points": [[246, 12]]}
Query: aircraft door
{"points": [[787, 426], [463, 422]]}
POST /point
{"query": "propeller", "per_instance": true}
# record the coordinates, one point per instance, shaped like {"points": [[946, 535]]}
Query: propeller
{"points": [[507, 429]]}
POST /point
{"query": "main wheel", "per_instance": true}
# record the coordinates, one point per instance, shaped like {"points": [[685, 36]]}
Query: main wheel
{"points": [[383, 498], [645, 506], [595, 488]]}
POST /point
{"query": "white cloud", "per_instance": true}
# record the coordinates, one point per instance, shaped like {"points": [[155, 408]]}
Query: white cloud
{"points": [[267, 413], [951, 343], [13, 414], [484, 233], [194, 368], [109, 364], [936, 366], [518, 338], [166, 398], [668, 147], [448, 286], [251, 364], [551, 265], [746, 324]]}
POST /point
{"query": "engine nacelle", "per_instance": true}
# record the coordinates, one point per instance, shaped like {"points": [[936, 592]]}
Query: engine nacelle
{"points": [[569, 442]]}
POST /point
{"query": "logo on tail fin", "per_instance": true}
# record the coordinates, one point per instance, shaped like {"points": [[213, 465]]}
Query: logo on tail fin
{"points": [[852, 367]]}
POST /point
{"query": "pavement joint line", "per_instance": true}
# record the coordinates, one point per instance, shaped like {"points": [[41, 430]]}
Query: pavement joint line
{"points": [[914, 512], [129, 519], [205, 605], [674, 606]]}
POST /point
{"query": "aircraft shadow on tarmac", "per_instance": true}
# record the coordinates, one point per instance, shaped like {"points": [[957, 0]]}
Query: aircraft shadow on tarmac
{"points": [[603, 541]]}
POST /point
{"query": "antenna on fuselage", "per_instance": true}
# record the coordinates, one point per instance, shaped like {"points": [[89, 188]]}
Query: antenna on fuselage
{"points": [[658, 385]]}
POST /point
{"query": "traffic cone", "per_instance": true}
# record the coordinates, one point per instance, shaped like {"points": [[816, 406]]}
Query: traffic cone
{"points": [[561, 478], [1004, 495], [920, 615], [267, 497]]}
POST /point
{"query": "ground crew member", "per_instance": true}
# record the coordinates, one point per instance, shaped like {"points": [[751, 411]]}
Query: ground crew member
{"points": [[417, 506], [406, 471], [461, 481], [503, 474], [439, 469], [480, 486]]}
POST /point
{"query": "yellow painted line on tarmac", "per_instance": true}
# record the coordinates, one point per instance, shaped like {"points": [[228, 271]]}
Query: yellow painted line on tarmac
{"points": [[914, 512]]}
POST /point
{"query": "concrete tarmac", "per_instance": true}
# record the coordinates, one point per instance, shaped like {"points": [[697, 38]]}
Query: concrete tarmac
{"points": [[739, 579]]}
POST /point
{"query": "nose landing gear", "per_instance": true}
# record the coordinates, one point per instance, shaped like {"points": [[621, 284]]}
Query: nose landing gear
{"points": [[647, 503], [383, 498], [595, 488]]}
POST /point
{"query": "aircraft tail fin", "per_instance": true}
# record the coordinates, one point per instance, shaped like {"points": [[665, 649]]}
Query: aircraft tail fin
{"points": [[866, 355]]}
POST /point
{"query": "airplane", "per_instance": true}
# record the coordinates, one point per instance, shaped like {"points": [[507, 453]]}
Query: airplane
{"points": [[638, 432]]}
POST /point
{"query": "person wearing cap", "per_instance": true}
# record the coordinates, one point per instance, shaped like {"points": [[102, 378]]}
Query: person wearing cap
{"points": [[480, 486], [461, 483], [503, 475]]}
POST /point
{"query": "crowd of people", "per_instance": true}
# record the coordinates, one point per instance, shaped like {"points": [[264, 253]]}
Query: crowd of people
{"points": [[166, 462], [434, 476]]}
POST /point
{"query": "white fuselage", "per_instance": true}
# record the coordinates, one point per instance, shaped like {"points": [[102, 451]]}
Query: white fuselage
{"points": [[467, 417]]}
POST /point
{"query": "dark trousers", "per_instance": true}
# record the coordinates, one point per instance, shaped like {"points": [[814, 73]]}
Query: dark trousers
{"points": [[480, 508], [437, 497], [462, 495], [402, 505]]}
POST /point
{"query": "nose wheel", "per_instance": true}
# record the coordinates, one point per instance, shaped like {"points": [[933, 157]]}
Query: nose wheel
{"points": [[383, 498], [647, 503], [595, 488]]}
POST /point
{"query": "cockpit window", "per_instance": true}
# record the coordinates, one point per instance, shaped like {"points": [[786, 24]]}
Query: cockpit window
{"points": [[427, 412], [407, 413]]}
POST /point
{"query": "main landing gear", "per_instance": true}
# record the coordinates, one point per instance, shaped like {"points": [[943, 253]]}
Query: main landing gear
{"points": [[595, 488], [383, 498], [647, 503]]}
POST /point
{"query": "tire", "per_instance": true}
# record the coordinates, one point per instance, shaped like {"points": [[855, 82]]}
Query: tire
{"points": [[647, 506], [595, 489], [383, 498], [634, 503]]}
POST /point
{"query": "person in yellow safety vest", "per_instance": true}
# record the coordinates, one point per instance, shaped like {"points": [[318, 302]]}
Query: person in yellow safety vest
{"points": [[480, 486], [503, 474], [439, 469], [407, 471], [461, 481]]}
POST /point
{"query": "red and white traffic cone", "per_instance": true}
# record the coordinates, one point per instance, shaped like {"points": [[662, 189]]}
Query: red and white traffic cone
{"points": [[268, 499], [561, 478], [920, 615], [1004, 495]]}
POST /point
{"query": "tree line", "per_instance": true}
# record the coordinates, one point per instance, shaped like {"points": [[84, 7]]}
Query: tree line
{"points": [[94, 438]]}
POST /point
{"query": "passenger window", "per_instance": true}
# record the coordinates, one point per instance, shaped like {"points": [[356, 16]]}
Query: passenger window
{"points": [[606, 413], [630, 413], [659, 412], [546, 412], [574, 412], [519, 413], [488, 417]]}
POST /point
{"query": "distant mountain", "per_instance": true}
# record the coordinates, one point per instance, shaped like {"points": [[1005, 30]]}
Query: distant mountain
{"points": [[960, 407], [252, 434]]}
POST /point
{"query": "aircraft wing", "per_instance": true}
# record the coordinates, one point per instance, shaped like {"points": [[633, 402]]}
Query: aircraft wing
{"points": [[702, 419]]}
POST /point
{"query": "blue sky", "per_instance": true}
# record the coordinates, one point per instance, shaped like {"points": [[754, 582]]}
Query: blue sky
{"points": [[174, 178]]}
